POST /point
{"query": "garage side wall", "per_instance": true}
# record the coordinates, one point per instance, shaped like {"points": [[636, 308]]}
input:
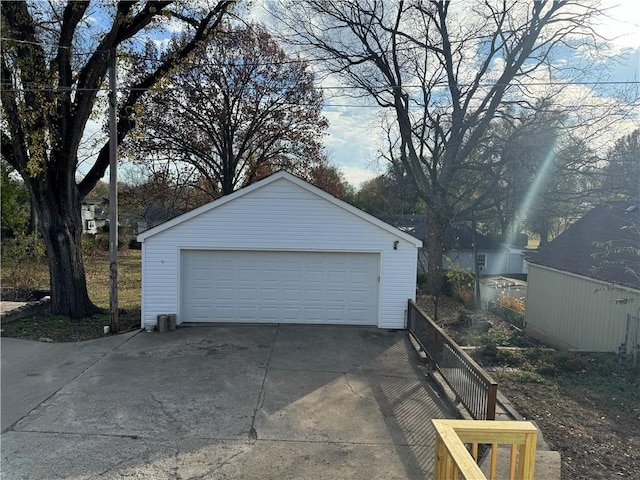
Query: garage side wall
{"points": [[280, 216], [574, 312]]}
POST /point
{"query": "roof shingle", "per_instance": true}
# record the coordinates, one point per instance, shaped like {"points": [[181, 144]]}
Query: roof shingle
{"points": [[579, 248]]}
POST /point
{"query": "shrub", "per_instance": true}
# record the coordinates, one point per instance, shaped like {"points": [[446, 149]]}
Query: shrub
{"points": [[526, 376], [93, 244], [23, 267], [460, 285], [516, 304]]}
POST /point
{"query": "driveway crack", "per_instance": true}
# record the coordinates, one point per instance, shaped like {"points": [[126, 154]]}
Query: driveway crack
{"points": [[346, 379], [167, 413], [253, 434]]}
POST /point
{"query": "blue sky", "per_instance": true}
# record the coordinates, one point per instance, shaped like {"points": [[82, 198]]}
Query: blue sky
{"points": [[353, 138]]}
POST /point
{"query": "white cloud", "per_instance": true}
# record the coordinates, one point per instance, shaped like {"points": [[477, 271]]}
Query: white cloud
{"points": [[621, 25], [352, 141], [357, 176]]}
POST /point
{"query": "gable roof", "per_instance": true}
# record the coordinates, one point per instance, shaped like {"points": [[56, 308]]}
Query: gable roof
{"points": [[576, 250], [455, 238], [264, 183]]}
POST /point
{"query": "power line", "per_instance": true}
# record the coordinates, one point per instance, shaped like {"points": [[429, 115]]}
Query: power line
{"points": [[351, 87]]}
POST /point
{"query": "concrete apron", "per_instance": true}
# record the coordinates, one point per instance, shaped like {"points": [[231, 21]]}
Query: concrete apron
{"points": [[227, 402]]}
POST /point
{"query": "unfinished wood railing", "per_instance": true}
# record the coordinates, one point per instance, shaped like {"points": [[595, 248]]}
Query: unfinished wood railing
{"points": [[457, 442], [475, 389]]}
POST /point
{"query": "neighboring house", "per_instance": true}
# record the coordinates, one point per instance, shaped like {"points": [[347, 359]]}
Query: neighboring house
{"points": [[278, 251], [494, 258], [576, 300], [93, 217]]}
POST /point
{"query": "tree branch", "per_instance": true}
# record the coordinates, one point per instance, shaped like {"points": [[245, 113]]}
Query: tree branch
{"points": [[136, 91]]}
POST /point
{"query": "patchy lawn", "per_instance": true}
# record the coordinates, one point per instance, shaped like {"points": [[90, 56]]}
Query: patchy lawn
{"points": [[587, 405], [58, 328]]}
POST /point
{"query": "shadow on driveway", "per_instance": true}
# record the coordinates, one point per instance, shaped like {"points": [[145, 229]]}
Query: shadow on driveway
{"points": [[223, 402]]}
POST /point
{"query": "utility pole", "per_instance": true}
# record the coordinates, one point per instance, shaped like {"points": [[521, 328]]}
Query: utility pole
{"points": [[114, 324], [476, 270]]}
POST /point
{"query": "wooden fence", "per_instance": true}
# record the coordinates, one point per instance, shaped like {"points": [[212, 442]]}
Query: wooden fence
{"points": [[475, 389], [457, 442]]}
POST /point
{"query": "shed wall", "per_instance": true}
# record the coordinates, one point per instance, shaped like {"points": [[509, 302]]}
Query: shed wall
{"points": [[281, 217], [576, 312]]}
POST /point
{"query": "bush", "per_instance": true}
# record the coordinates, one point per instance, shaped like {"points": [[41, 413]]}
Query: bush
{"points": [[515, 304], [22, 263], [93, 244], [21, 249], [460, 285]]}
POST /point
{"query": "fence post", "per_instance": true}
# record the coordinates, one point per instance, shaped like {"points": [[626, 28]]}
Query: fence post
{"points": [[492, 399]]}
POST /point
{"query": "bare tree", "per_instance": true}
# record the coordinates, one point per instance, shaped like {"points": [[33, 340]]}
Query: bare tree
{"points": [[55, 58], [621, 176], [445, 70], [548, 176]]}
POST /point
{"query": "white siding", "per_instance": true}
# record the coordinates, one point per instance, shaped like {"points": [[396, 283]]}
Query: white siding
{"points": [[574, 312], [281, 216], [495, 262]]}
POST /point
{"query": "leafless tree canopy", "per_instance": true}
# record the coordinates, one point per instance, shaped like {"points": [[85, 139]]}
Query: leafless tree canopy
{"points": [[445, 70]]}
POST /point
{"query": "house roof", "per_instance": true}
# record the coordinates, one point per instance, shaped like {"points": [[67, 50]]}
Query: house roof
{"points": [[264, 183], [455, 238], [580, 247]]}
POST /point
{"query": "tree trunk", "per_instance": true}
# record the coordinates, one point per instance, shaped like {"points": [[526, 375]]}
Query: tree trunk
{"points": [[60, 221], [435, 251], [544, 235]]}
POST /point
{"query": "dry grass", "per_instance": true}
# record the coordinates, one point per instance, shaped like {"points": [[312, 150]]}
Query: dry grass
{"points": [[515, 304], [129, 278], [60, 328]]}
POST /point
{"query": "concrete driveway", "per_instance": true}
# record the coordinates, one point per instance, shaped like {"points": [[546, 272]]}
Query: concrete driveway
{"points": [[220, 402]]}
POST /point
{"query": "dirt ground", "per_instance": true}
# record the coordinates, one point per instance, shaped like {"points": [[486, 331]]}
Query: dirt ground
{"points": [[586, 405]]}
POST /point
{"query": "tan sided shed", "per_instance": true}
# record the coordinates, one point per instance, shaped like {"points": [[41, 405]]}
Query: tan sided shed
{"points": [[579, 300]]}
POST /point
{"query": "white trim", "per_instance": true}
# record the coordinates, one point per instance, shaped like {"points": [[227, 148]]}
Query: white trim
{"points": [[576, 275], [178, 284], [142, 286], [270, 179], [276, 249]]}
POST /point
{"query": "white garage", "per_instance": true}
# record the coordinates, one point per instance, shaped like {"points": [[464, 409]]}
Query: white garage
{"points": [[278, 251]]}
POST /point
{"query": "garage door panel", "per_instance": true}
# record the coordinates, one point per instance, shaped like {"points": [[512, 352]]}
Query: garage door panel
{"points": [[224, 314], [335, 296], [222, 294], [291, 294], [271, 275], [291, 287], [291, 314], [315, 276], [271, 294], [314, 314]]}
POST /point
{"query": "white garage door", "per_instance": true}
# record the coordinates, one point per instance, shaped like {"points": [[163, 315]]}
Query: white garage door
{"points": [[279, 287]]}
